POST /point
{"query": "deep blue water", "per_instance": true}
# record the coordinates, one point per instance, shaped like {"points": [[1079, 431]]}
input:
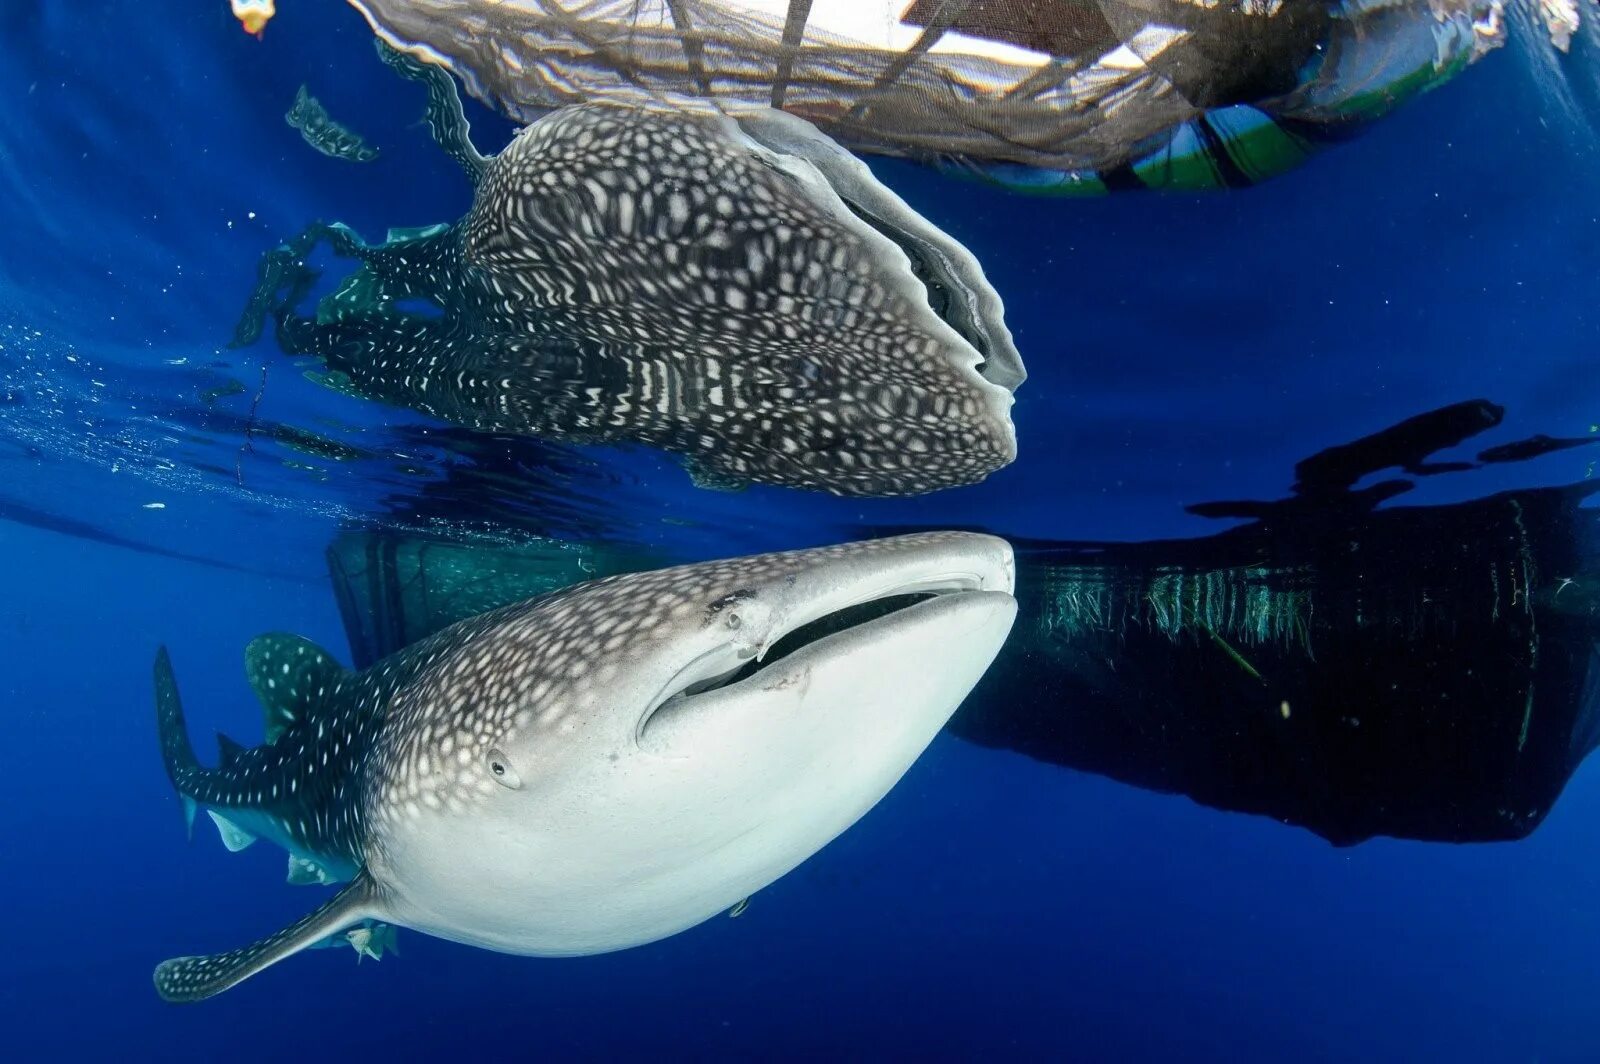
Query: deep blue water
{"points": [[1180, 349]]}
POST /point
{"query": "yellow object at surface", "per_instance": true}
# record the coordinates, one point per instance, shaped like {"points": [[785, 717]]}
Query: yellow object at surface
{"points": [[253, 15]]}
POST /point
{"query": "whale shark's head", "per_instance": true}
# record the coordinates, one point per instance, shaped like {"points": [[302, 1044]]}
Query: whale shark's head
{"points": [[614, 763]]}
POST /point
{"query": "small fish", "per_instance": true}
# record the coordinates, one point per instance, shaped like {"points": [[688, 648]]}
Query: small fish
{"points": [[254, 15], [738, 910], [371, 941], [370, 938], [323, 133]]}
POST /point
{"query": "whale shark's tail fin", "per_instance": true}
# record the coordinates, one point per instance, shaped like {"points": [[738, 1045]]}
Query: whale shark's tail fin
{"points": [[177, 754], [185, 979]]}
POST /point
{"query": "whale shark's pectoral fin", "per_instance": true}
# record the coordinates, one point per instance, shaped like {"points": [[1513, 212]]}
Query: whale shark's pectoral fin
{"points": [[185, 979]]}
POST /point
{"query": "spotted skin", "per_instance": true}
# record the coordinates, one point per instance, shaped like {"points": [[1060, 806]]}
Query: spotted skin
{"points": [[385, 774], [628, 275], [540, 669], [301, 788], [305, 788], [185, 979]]}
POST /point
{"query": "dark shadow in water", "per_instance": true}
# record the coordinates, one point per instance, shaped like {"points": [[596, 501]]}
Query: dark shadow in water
{"points": [[1427, 672], [394, 588], [514, 518]]}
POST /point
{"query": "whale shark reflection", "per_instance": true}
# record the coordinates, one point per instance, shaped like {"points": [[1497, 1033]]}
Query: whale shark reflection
{"points": [[743, 294]]}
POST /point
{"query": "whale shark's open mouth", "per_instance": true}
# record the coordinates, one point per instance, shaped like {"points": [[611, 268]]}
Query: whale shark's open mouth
{"points": [[814, 631], [729, 665]]}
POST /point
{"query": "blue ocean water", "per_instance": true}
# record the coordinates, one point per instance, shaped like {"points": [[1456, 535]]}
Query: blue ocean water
{"points": [[1181, 348]]}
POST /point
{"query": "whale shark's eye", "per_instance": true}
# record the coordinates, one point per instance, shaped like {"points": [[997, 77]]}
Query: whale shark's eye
{"points": [[734, 620], [500, 768]]}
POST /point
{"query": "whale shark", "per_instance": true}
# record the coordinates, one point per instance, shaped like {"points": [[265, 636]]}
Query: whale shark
{"points": [[602, 766], [744, 295]]}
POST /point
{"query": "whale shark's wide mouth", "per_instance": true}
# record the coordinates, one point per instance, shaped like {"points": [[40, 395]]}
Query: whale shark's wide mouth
{"points": [[854, 611], [727, 668], [850, 617]]}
